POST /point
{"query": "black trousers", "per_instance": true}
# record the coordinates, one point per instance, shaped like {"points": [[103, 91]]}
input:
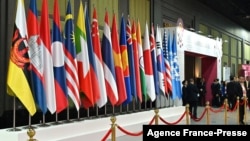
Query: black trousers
{"points": [[193, 108]]}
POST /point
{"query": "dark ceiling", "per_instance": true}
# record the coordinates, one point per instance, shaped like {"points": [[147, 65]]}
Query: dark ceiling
{"points": [[236, 10]]}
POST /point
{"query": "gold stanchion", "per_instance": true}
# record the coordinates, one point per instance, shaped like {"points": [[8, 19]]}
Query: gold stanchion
{"points": [[113, 126], [225, 107], [156, 116], [238, 111], [31, 133], [207, 108], [187, 114]]}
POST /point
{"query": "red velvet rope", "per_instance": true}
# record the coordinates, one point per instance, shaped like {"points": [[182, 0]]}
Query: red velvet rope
{"points": [[129, 133], [202, 115], [106, 135], [152, 120], [217, 111], [172, 123]]}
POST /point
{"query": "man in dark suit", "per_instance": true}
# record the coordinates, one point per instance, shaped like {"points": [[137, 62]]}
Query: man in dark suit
{"points": [[192, 97], [241, 93], [231, 92]]}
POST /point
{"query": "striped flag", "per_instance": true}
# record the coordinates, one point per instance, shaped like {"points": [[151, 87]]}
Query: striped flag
{"points": [[48, 62], [165, 43], [161, 70], [131, 59], [36, 56], [125, 61], [154, 62], [18, 82], [149, 77], [108, 66], [98, 60], [118, 64], [177, 93], [58, 63], [71, 62], [141, 61], [83, 61], [136, 62], [93, 68]]}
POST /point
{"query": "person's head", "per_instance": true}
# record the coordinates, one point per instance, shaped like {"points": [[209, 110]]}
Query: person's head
{"points": [[191, 80], [231, 77], [241, 79], [184, 82]]}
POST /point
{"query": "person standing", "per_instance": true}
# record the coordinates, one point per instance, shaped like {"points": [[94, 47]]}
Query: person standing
{"points": [[184, 92], [192, 97], [231, 92], [202, 92], [241, 93], [216, 92]]}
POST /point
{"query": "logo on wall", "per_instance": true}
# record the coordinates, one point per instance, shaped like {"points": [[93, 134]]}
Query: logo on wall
{"points": [[180, 31]]}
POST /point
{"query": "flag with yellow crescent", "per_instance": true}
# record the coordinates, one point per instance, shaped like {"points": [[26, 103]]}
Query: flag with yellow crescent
{"points": [[17, 82]]}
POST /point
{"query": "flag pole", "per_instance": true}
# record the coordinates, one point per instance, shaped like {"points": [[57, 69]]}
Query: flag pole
{"points": [[145, 108], [139, 106], [121, 108], [68, 120], [88, 113], [56, 122], [127, 108], [14, 116], [113, 110], [96, 111], [29, 125], [134, 104], [43, 123], [105, 110]]}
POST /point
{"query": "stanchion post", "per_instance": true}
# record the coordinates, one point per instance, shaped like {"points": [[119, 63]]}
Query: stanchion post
{"points": [[207, 108], [225, 107], [156, 116], [31, 133], [187, 114], [113, 126], [238, 111]]}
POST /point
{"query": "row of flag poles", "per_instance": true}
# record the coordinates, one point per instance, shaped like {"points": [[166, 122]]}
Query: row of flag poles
{"points": [[46, 69]]}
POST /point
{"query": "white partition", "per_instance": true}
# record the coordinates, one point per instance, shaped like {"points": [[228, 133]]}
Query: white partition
{"points": [[95, 129]]}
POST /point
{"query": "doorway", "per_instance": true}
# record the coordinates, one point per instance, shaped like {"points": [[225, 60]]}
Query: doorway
{"points": [[201, 66]]}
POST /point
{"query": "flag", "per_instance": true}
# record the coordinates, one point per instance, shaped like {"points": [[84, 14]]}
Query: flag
{"points": [[108, 66], [161, 70], [131, 59], [154, 62], [118, 64], [175, 71], [149, 77], [125, 61], [18, 84], [48, 62], [93, 68], [36, 57], [165, 44], [71, 62], [98, 59], [58, 57], [141, 61], [83, 61], [136, 63]]}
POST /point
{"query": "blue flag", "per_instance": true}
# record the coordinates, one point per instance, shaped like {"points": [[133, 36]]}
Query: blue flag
{"points": [[175, 71], [131, 60], [125, 62]]}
